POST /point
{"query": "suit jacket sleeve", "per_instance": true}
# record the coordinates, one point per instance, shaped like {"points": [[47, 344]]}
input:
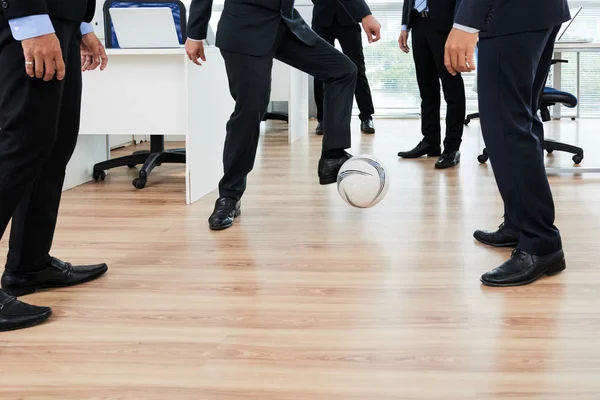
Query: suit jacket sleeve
{"points": [[358, 9], [405, 12], [200, 12], [24, 8], [473, 13]]}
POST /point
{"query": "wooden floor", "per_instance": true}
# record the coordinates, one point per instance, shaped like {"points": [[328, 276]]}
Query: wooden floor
{"points": [[306, 298]]}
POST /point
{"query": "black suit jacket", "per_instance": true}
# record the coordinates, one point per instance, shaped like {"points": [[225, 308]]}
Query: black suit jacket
{"points": [[326, 12], [250, 26], [73, 10], [506, 17], [441, 13]]}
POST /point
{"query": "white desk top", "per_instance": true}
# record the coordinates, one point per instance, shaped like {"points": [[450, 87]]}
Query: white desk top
{"points": [[152, 52], [577, 47]]}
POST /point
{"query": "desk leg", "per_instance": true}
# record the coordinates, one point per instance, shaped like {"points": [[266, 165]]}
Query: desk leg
{"points": [[297, 106], [557, 82]]}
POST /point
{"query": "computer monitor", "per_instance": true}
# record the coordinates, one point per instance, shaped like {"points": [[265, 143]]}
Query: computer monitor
{"points": [[144, 27]]}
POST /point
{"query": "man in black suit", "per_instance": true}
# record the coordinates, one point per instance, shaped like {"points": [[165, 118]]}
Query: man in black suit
{"points": [[430, 22], [331, 21], [44, 46], [250, 34], [516, 43]]}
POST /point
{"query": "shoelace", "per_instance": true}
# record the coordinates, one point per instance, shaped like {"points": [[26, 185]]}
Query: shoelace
{"points": [[6, 302]]}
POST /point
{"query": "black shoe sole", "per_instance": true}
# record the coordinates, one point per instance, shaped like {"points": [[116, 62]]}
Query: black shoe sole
{"points": [[499, 245], [43, 318], [444, 166], [25, 290], [422, 155], [553, 269], [368, 131], [328, 180], [223, 227]]}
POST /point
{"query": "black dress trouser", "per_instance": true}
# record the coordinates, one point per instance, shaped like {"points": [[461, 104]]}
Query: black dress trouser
{"points": [[350, 38], [250, 86], [428, 45], [512, 75], [39, 124]]}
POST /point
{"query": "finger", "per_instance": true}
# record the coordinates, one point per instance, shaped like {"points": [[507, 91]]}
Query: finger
{"points": [[471, 59], [96, 56], [104, 58], [378, 34], [60, 68], [87, 61], [49, 68], [201, 54], [194, 59], [29, 65], [448, 63], [38, 65]]}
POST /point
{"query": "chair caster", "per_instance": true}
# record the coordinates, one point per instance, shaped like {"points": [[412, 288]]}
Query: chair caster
{"points": [[549, 151], [467, 121], [99, 175], [483, 157], [139, 183], [131, 165], [578, 158]]}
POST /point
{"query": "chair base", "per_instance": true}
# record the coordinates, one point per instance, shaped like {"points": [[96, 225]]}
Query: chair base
{"points": [[471, 117], [550, 146], [278, 116], [156, 156]]}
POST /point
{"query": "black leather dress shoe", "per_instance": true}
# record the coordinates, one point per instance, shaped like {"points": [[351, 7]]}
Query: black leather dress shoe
{"points": [[448, 159], [226, 209], [523, 269], [57, 274], [319, 129], [367, 126], [422, 149], [15, 314], [329, 168], [503, 237]]}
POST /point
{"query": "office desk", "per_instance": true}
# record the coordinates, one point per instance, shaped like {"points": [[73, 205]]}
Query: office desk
{"points": [[577, 48], [159, 91]]}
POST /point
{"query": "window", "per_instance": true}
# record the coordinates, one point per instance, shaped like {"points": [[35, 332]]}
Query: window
{"points": [[391, 73]]}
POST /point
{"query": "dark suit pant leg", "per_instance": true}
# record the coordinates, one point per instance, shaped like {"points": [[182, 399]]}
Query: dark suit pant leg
{"points": [[512, 70], [338, 74], [454, 93], [328, 35], [40, 124], [250, 86], [429, 84], [350, 38]]}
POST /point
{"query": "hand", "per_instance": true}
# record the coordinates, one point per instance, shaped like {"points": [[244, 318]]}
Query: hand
{"points": [[43, 57], [460, 51], [195, 50], [372, 27], [92, 53], [403, 41]]}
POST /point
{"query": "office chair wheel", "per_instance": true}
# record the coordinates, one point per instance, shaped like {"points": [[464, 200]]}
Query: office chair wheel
{"points": [[99, 175], [483, 157], [550, 151], [578, 158], [467, 121], [131, 165], [139, 183]]}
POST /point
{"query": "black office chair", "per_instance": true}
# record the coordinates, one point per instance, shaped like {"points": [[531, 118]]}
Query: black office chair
{"points": [[550, 97], [157, 154]]}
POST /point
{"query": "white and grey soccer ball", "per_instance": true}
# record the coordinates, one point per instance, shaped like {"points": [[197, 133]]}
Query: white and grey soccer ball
{"points": [[363, 181]]}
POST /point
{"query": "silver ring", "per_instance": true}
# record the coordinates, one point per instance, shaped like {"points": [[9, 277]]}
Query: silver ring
{"points": [[28, 62]]}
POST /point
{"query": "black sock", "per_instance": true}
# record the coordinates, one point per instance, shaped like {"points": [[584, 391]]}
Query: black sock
{"points": [[335, 153]]}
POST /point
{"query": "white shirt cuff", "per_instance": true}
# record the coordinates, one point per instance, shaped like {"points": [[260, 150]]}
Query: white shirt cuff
{"points": [[86, 28], [465, 28], [195, 40], [404, 28]]}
